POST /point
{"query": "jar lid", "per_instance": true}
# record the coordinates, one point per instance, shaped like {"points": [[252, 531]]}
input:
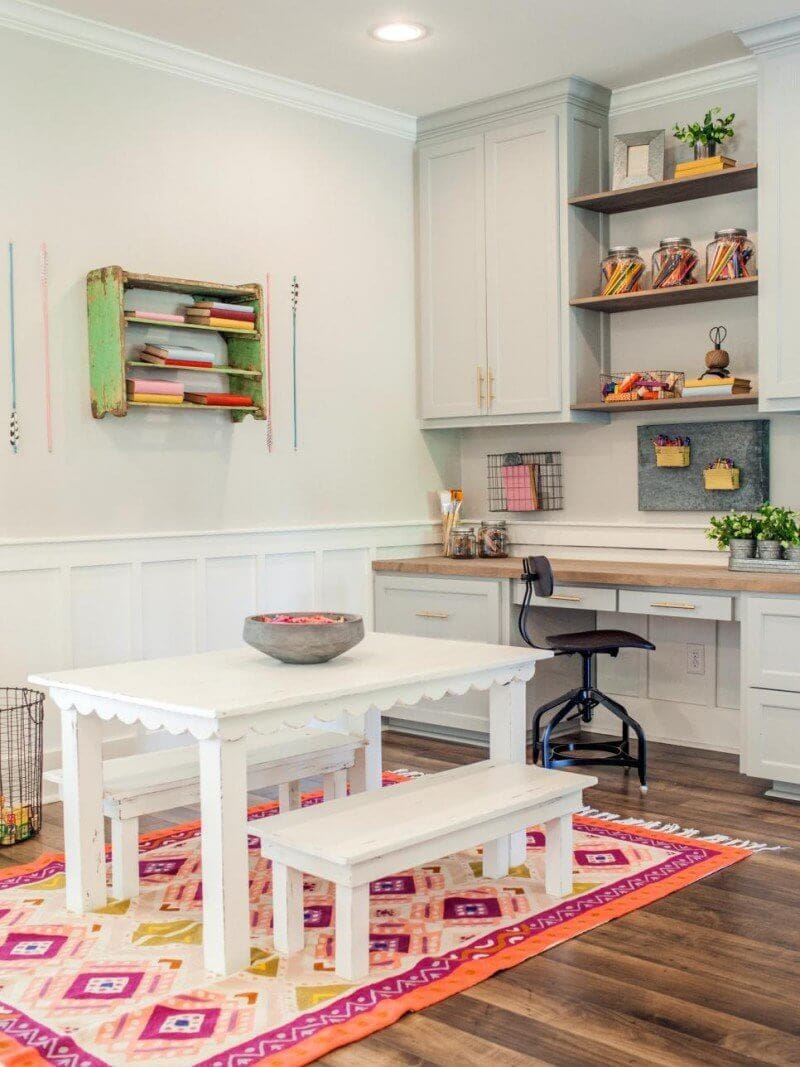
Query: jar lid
{"points": [[682, 242], [499, 524], [623, 250], [464, 527], [733, 231]]}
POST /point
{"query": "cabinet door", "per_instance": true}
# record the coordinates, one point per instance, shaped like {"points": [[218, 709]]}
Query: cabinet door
{"points": [[522, 268], [770, 640], [452, 284], [772, 735]]}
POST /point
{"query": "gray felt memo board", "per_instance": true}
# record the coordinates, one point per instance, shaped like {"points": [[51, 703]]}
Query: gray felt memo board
{"points": [[745, 441]]}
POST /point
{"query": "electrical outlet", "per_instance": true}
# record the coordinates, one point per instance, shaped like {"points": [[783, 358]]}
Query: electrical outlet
{"points": [[695, 659]]}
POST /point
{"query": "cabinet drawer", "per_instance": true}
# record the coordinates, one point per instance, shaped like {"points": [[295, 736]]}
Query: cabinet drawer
{"points": [[770, 642], [458, 609], [589, 598], [772, 735], [676, 605]]}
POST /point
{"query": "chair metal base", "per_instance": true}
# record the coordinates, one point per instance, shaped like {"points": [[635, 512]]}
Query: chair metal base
{"points": [[581, 703]]}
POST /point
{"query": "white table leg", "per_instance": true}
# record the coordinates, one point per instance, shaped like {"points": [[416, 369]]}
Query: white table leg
{"points": [[223, 811], [558, 856], [125, 858], [507, 720], [288, 796], [82, 789], [352, 932], [367, 771]]}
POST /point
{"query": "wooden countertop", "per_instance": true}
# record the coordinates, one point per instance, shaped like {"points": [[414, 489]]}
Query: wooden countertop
{"points": [[715, 577]]}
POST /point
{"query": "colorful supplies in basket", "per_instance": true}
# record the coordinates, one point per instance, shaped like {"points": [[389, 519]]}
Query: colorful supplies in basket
{"points": [[641, 385], [672, 451], [721, 474]]}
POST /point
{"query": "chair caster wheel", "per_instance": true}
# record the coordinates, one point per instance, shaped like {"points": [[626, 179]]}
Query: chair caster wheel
{"points": [[643, 789]]}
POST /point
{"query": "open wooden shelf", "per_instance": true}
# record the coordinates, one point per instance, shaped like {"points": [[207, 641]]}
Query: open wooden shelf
{"points": [[672, 191], [238, 371], [185, 406], [627, 407], [660, 298], [135, 320]]}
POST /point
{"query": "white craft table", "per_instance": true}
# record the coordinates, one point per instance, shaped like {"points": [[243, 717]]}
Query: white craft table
{"points": [[218, 698]]}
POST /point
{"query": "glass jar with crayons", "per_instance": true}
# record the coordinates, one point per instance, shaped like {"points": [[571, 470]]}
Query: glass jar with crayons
{"points": [[674, 262], [730, 255], [621, 271]]}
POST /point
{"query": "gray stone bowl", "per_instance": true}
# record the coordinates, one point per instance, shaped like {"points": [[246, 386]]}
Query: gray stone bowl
{"points": [[303, 642]]}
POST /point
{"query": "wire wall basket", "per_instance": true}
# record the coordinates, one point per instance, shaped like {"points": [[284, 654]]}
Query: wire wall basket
{"points": [[525, 481], [21, 718]]}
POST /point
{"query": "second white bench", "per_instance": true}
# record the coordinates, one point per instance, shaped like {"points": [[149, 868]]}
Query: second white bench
{"points": [[358, 839], [151, 782]]}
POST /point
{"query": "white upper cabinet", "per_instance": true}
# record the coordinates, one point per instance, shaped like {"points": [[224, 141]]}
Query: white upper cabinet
{"points": [[452, 261], [498, 341], [522, 273]]}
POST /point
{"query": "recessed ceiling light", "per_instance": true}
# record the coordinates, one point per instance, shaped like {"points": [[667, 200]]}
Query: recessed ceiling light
{"points": [[399, 32]]}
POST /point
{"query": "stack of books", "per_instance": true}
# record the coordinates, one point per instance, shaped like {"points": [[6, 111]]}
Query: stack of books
{"points": [[153, 391], [710, 165], [220, 316], [176, 356], [713, 386], [219, 400]]}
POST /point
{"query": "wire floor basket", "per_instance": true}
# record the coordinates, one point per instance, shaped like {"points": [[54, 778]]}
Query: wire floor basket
{"points": [[525, 481], [21, 718]]}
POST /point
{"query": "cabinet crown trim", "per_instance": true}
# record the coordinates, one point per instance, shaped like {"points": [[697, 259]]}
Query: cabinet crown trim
{"points": [[772, 36]]}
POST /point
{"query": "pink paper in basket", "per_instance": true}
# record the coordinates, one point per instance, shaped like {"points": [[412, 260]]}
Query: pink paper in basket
{"points": [[519, 484]]}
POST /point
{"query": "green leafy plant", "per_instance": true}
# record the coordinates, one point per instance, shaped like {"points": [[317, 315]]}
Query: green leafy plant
{"points": [[735, 526], [777, 524], [711, 130]]}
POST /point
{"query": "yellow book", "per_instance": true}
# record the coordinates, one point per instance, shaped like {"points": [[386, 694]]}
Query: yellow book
{"points": [[718, 162], [702, 383], [223, 324], [155, 398]]}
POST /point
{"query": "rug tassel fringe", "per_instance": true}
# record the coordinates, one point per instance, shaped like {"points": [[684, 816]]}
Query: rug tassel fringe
{"points": [[679, 831]]}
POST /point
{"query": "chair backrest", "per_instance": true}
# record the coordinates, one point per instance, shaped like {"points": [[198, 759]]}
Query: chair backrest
{"points": [[537, 569]]}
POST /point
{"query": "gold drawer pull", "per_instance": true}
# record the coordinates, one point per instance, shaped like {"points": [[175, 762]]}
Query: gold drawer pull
{"points": [[432, 615], [667, 604], [566, 596]]}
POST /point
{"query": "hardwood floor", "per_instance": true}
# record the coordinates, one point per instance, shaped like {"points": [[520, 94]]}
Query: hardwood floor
{"points": [[709, 975]]}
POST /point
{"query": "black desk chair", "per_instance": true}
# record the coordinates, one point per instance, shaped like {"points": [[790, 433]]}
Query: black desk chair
{"points": [[581, 702]]}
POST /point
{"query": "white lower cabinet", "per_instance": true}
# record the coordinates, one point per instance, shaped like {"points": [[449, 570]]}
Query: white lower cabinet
{"points": [[773, 735], [459, 609]]}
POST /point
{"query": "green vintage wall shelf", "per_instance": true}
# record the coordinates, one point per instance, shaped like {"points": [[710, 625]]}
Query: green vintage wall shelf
{"points": [[108, 325]]}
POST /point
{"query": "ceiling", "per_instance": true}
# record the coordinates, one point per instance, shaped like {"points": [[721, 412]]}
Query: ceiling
{"points": [[476, 48]]}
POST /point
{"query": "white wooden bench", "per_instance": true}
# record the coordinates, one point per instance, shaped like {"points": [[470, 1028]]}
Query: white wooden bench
{"points": [[357, 839], [151, 782]]}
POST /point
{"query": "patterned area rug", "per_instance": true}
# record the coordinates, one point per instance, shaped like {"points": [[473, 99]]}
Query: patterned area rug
{"points": [[126, 984]]}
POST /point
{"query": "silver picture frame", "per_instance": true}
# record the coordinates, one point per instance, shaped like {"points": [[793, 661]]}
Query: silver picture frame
{"points": [[638, 158]]}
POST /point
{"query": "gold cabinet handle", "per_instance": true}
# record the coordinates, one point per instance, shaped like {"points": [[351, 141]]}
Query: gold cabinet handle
{"points": [[680, 607], [480, 387], [565, 596], [432, 615], [491, 387]]}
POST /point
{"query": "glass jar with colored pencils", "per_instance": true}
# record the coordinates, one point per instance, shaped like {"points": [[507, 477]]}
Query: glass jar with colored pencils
{"points": [[621, 271], [674, 262], [730, 255]]}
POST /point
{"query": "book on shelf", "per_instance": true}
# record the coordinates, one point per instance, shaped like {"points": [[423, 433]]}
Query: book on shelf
{"points": [[219, 399], [159, 316], [222, 324], [193, 312], [154, 398], [716, 390], [703, 166], [178, 356], [219, 305], [714, 381], [154, 385]]}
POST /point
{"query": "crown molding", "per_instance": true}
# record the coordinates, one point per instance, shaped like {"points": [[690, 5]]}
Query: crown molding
{"points": [[103, 39], [715, 78], [772, 36]]}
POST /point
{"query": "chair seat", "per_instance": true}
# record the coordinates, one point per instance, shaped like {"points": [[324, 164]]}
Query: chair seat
{"points": [[592, 642]]}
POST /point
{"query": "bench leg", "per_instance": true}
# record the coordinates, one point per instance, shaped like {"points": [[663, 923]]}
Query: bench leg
{"points": [[287, 909], [288, 796], [366, 772], [558, 857], [125, 858], [352, 932], [334, 784], [496, 858]]}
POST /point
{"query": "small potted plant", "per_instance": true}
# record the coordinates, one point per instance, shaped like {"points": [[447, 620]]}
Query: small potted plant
{"points": [[704, 136], [736, 531], [791, 544], [777, 525]]}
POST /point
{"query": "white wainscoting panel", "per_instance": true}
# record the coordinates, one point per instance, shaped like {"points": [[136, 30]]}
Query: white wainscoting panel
{"points": [[77, 602]]}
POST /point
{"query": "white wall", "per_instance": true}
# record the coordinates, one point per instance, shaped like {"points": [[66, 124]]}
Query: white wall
{"points": [[111, 163], [600, 472]]}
